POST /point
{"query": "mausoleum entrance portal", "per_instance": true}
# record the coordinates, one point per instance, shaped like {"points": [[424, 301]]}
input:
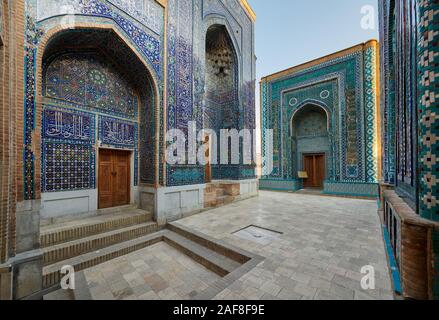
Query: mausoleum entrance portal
{"points": [[310, 145], [98, 123], [221, 97]]}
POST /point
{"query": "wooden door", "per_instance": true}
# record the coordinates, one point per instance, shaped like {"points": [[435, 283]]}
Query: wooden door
{"points": [[320, 170], [314, 165], [105, 179], [308, 166], [114, 178]]}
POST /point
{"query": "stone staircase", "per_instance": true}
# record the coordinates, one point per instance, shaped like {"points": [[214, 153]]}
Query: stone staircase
{"points": [[90, 241], [227, 261], [213, 256], [220, 194]]}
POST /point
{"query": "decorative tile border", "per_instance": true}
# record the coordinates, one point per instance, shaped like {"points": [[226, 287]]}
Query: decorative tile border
{"points": [[118, 133]]}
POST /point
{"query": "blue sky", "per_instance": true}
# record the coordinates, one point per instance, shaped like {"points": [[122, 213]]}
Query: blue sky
{"points": [[291, 32]]}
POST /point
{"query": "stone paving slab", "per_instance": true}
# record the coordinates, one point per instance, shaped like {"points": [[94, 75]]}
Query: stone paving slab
{"points": [[179, 277], [324, 244]]}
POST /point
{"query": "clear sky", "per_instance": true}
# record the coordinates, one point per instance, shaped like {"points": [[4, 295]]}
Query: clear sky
{"points": [[291, 32]]}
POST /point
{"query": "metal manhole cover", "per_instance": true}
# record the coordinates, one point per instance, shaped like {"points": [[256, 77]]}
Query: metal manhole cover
{"points": [[257, 234]]}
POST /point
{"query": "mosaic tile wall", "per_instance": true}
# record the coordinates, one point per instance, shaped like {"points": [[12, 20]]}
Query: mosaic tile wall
{"points": [[141, 23], [84, 81], [405, 102], [353, 189], [88, 81], [311, 124], [344, 88], [409, 101], [142, 35], [387, 39], [428, 113], [187, 70], [410, 32], [428, 107], [221, 108], [68, 154], [283, 185]]}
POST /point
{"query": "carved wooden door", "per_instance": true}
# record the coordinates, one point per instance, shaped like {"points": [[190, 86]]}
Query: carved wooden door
{"points": [[114, 178], [314, 165]]}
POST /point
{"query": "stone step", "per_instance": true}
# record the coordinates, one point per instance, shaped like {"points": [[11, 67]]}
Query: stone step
{"points": [[201, 250], [210, 189], [60, 294], [219, 201], [212, 244], [231, 189], [210, 253], [52, 274], [68, 231], [77, 247], [213, 261]]}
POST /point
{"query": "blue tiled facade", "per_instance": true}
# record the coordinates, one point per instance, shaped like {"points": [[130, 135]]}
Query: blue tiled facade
{"points": [[98, 100], [344, 87], [409, 30]]}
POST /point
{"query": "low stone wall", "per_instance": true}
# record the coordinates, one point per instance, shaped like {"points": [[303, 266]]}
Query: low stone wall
{"points": [[415, 244], [354, 189], [280, 185], [173, 203]]}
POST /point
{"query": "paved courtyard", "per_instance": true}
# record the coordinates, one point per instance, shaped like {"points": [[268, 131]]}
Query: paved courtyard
{"points": [[322, 246], [157, 272]]}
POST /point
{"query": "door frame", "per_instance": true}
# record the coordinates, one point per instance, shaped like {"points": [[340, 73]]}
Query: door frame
{"points": [[315, 154], [131, 186], [208, 158]]}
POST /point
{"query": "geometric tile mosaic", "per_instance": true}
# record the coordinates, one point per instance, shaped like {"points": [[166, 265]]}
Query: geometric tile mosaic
{"points": [[68, 167], [77, 85]]}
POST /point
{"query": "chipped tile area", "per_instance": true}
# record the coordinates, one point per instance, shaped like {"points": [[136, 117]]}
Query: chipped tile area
{"points": [[157, 272], [324, 244]]}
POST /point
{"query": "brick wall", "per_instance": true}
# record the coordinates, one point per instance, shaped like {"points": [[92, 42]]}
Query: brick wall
{"points": [[11, 121], [419, 248], [4, 145]]}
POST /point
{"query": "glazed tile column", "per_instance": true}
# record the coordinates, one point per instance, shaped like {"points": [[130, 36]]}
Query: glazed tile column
{"points": [[428, 107]]}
